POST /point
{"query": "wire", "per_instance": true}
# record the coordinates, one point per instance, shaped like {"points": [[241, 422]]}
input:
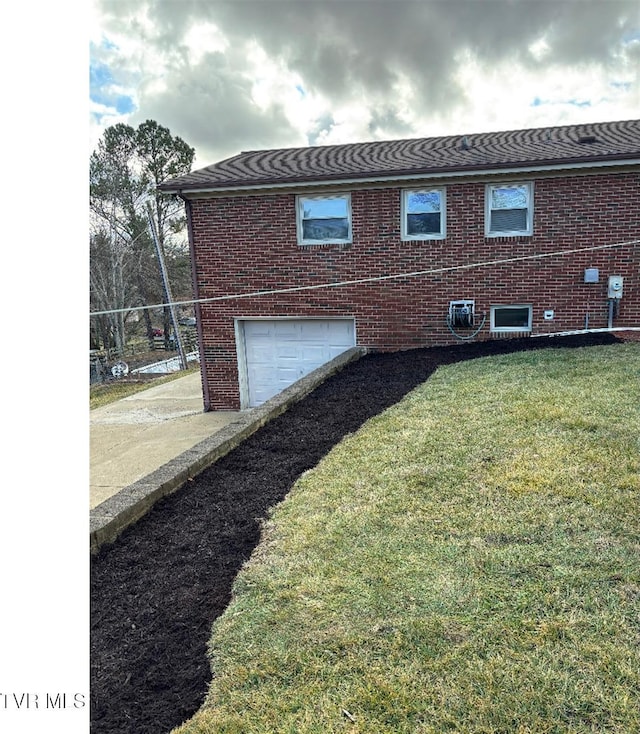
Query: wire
{"points": [[372, 279], [467, 336]]}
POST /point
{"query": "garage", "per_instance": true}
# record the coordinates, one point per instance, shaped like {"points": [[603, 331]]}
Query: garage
{"points": [[273, 354]]}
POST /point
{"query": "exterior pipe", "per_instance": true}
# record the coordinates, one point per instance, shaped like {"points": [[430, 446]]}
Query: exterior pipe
{"points": [[196, 295], [587, 331]]}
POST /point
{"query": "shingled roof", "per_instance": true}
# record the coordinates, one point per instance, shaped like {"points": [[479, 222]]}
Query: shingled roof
{"points": [[569, 145]]}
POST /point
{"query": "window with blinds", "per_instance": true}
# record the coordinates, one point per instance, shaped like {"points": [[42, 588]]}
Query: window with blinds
{"points": [[509, 210]]}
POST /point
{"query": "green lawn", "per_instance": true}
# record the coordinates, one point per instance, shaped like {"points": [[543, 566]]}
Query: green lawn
{"points": [[469, 561]]}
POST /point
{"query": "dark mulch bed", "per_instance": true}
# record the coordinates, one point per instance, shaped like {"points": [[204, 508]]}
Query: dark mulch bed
{"points": [[156, 591]]}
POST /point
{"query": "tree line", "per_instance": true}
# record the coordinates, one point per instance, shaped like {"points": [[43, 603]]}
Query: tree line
{"points": [[125, 270]]}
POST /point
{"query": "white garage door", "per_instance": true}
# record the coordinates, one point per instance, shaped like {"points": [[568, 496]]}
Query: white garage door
{"points": [[279, 352]]}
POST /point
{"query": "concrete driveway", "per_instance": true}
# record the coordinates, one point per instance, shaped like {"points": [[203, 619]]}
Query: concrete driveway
{"points": [[136, 435]]}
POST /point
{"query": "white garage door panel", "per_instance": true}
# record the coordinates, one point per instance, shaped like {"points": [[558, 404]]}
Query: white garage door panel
{"points": [[260, 354], [280, 352], [286, 377], [285, 329], [313, 353], [314, 330], [286, 351]]}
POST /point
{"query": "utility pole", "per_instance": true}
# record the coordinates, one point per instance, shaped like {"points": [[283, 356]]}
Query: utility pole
{"points": [[165, 283]]}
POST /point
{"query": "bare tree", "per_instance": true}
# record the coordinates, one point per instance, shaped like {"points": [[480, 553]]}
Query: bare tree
{"points": [[125, 170]]}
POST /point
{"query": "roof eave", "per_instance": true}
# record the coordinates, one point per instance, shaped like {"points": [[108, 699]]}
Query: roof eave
{"points": [[406, 174]]}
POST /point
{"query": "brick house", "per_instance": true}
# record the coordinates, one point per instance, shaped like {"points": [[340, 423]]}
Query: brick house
{"points": [[401, 244]]}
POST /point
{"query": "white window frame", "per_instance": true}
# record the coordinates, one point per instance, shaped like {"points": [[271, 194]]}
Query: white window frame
{"points": [[443, 214], [528, 186], [299, 218], [510, 329]]}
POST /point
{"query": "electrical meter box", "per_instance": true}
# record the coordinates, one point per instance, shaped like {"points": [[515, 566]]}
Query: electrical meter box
{"points": [[615, 286]]}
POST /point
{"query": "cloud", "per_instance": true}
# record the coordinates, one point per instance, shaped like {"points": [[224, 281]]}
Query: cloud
{"points": [[247, 74], [215, 104]]}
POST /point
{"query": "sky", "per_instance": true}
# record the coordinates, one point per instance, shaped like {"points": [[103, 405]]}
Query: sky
{"points": [[257, 74]]}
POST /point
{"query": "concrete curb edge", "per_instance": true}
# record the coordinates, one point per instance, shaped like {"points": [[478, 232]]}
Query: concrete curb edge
{"points": [[115, 514]]}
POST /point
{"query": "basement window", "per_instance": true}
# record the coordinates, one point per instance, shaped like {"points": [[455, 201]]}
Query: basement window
{"points": [[423, 214], [324, 220], [511, 318], [509, 210]]}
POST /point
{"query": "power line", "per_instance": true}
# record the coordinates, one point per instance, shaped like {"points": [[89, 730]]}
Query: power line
{"points": [[372, 279]]}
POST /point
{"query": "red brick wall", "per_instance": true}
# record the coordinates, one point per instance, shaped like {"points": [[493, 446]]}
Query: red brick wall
{"points": [[248, 243]]}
